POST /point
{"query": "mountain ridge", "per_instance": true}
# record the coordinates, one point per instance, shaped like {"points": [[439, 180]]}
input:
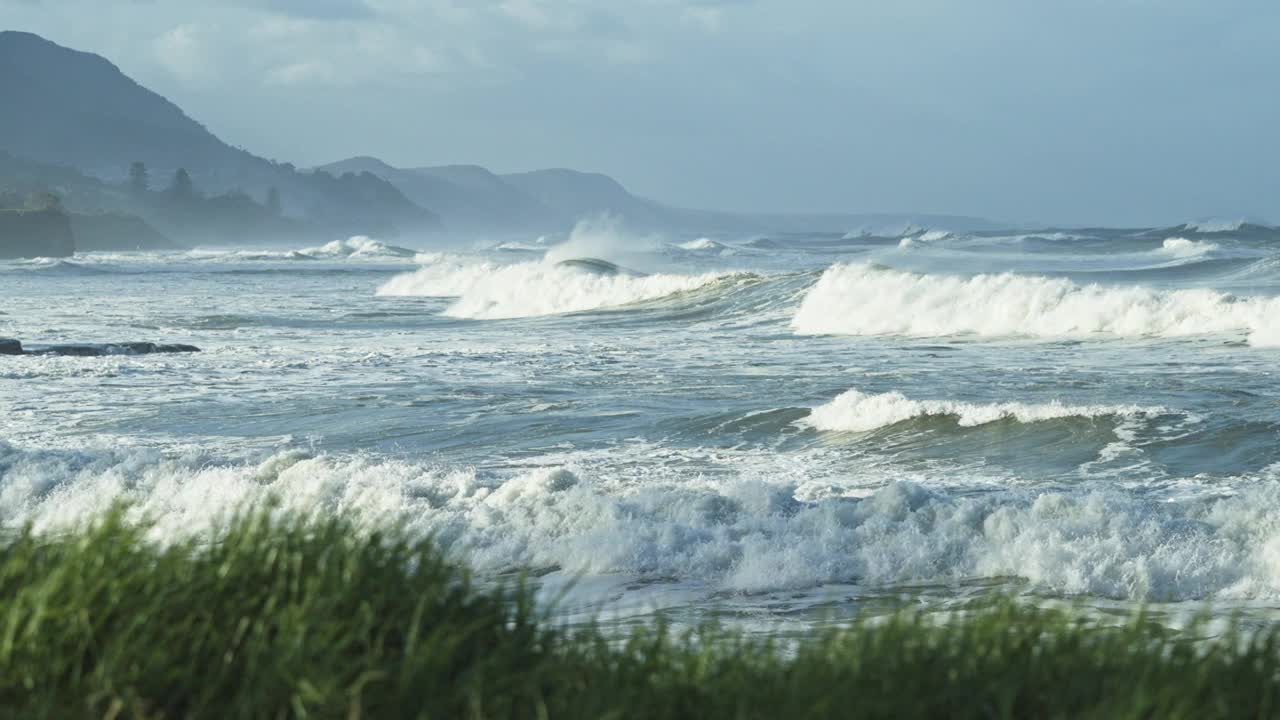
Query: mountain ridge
{"points": [[80, 110]]}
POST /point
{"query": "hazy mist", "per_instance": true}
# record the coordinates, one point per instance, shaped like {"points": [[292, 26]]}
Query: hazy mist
{"points": [[1121, 112]]}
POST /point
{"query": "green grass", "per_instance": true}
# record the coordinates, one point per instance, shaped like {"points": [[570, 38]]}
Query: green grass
{"points": [[311, 618]]}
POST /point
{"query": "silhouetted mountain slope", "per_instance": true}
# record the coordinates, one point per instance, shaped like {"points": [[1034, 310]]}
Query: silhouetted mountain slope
{"points": [[470, 197], [482, 194], [77, 109], [466, 197], [580, 194]]}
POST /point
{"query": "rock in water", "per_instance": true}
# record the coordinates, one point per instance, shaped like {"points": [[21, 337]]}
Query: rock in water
{"points": [[9, 346], [98, 350]]}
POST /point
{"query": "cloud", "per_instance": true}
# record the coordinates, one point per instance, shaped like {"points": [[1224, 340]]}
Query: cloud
{"points": [[182, 52], [314, 9], [932, 104], [293, 52], [530, 13], [308, 72], [707, 18]]}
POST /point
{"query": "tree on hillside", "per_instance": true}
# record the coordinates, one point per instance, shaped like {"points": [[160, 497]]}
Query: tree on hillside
{"points": [[273, 201], [182, 189], [139, 179]]}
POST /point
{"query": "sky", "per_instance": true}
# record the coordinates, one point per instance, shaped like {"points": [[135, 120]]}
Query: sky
{"points": [[1120, 112]]}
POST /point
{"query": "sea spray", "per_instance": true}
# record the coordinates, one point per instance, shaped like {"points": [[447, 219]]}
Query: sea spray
{"points": [[601, 237]]}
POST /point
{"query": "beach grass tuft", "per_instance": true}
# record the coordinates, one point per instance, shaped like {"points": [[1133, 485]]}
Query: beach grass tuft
{"points": [[274, 617]]}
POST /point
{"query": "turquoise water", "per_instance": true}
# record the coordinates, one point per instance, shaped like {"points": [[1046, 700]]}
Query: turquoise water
{"points": [[784, 428]]}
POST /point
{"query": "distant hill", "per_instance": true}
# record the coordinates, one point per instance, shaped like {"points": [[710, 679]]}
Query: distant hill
{"points": [[471, 198], [580, 194], [111, 216], [35, 233], [482, 195], [103, 217], [77, 109], [467, 198], [76, 115]]}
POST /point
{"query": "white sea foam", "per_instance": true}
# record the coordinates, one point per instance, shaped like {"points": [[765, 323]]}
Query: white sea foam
{"points": [[859, 299], [885, 229], [359, 246], [856, 411], [1182, 247], [490, 291], [730, 533], [520, 247], [701, 244], [1216, 226]]}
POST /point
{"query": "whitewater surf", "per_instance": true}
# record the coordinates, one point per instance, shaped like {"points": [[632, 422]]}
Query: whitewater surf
{"points": [[784, 428]]}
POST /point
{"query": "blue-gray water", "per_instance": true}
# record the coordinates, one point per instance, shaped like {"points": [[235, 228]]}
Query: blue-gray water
{"points": [[787, 428]]}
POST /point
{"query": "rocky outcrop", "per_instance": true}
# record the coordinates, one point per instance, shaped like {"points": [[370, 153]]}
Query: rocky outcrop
{"points": [[9, 346], [35, 233]]}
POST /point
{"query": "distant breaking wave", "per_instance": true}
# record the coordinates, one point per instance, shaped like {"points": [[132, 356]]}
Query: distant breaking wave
{"points": [[1238, 229], [359, 247], [1218, 226], [488, 291], [701, 244], [856, 411], [54, 266], [863, 299], [1182, 247]]}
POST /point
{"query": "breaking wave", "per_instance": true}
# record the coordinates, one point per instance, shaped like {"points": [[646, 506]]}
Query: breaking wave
{"points": [[861, 299], [704, 246], [488, 291], [701, 244], [1217, 226], [732, 533], [1182, 247], [856, 411], [358, 247], [51, 266]]}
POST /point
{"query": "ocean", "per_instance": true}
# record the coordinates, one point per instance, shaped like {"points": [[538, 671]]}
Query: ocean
{"points": [[780, 432]]}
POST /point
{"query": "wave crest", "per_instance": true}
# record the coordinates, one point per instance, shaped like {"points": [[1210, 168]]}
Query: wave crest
{"points": [[867, 300], [487, 291], [358, 246], [856, 411], [1182, 247]]}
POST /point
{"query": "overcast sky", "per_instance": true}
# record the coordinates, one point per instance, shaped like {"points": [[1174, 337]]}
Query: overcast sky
{"points": [[1067, 111]]}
